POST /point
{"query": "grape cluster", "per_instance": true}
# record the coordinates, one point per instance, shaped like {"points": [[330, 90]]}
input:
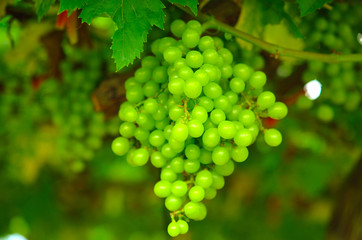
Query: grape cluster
{"points": [[335, 31], [70, 108], [192, 112]]}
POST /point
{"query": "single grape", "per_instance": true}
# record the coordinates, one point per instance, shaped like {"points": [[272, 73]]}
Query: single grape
{"points": [[194, 59], [220, 155], [204, 178], [239, 154], [273, 137], [179, 188], [162, 189], [265, 100], [196, 193], [173, 229], [226, 129], [183, 225], [278, 110], [120, 146]]}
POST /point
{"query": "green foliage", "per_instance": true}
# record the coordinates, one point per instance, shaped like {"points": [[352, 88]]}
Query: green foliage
{"points": [[42, 7], [133, 18], [192, 4], [71, 4], [308, 6]]}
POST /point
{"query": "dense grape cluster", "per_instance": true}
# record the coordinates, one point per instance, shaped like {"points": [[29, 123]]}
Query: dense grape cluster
{"points": [[335, 31], [193, 113]]}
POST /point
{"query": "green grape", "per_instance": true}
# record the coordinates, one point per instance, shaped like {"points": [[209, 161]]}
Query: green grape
{"points": [[199, 113], [176, 86], [195, 128], [218, 181], [223, 103], [162, 189], [179, 188], [183, 225], [192, 151], [190, 38], [226, 169], [207, 103], [247, 117], [177, 165], [158, 160], [142, 75], [206, 42], [159, 74], [242, 71], [196, 194], [226, 129], [220, 155], [120, 146], [178, 27], [156, 138], [210, 193], [202, 77], [127, 129], [173, 229], [217, 116], [239, 154], [278, 110], [212, 90], [150, 105], [171, 54], [193, 24], [167, 151], [273, 137], [192, 88], [325, 113], [243, 138], [204, 178], [134, 94], [173, 203], [180, 132], [140, 157], [194, 59], [211, 137], [257, 79], [265, 100], [168, 175], [191, 165], [210, 56]]}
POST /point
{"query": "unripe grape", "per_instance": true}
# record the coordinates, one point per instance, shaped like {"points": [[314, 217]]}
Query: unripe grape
{"points": [[273, 137], [278, 110]]}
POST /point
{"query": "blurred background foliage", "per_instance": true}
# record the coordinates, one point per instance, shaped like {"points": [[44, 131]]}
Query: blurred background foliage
{"points": [[59, 97]]}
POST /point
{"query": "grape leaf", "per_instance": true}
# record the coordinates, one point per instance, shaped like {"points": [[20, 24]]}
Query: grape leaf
{"points": [[308, 6], [42, 7], [256, 15], [192, 4], [134, 18], [71, 4]]}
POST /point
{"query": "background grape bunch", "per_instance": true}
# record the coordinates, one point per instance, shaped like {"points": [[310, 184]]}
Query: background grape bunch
{"points": [[328, 33], [192, 112]]}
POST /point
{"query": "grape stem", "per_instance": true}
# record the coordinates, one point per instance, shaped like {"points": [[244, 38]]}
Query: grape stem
{"points": [[275, 50], [255, 112]]}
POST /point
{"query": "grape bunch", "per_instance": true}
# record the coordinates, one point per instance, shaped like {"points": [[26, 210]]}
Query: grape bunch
{"points": [[70, 108], [335, 31], [192, 112]]}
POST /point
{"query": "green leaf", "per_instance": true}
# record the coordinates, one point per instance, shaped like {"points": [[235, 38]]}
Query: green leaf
{"points": [[42, 7], [134, 18], [71, 4], [192, 4], [308, 6]]}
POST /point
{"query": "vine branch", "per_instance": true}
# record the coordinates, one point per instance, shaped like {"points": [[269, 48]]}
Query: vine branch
{"points": [[212, 23]]}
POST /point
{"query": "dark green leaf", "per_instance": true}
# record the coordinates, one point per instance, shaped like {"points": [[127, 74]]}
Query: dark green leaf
{"points": [[71, 4], [192, 4], [42, 7], [134, 18], [308, 6]]}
